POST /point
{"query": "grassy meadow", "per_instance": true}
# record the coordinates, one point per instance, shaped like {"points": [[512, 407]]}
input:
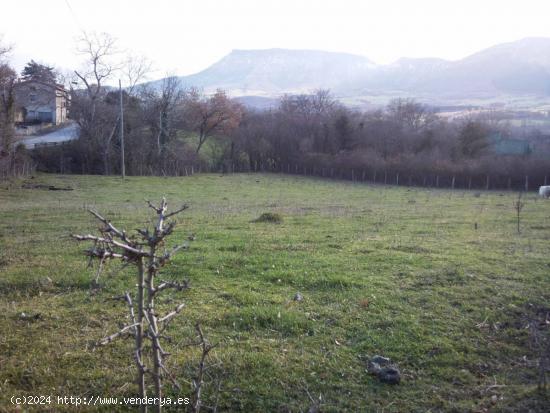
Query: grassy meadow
{"points": [[395, 271]]}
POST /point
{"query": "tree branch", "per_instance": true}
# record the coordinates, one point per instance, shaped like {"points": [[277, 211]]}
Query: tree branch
{"points": [[183, 208], [171, 314], [114, 336], [112, 242], [171, 284], [206, 347], [111, 228]]}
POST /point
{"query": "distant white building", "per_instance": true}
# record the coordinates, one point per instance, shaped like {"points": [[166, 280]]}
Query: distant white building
{"points": [[40, 102]]}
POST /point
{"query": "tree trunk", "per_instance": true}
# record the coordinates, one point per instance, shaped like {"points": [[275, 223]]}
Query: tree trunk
{"points": [[106, 161], [202, 139], [139, 335]]}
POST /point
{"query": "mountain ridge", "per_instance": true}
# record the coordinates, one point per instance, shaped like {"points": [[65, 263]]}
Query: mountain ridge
{"points": [[512, 69]]}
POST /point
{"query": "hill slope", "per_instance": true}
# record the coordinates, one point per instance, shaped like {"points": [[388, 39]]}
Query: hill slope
{"points": [[276, 71]]}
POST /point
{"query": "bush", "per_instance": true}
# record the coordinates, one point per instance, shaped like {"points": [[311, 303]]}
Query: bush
{"points": [[271, 217]]}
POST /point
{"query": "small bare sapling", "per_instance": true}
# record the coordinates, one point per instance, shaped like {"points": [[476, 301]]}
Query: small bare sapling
{"points": [[146, 250]]}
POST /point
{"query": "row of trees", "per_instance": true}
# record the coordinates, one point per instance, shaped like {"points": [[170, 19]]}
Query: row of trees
{"points": [[157, 117], [316, 133], [167, 126]]}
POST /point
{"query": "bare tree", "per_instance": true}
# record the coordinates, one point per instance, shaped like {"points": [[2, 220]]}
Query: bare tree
{"points": [[135, 70], [98, 51], [410, 114], [323, 102], [98, 117], [97, 120], [161, 107], [146, 251]]}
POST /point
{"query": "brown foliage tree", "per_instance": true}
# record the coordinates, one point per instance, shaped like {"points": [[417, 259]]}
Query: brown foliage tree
{"points": [[208, 116]]}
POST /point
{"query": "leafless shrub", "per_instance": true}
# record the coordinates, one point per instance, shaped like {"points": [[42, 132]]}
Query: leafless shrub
{"points": [[146, 250]]}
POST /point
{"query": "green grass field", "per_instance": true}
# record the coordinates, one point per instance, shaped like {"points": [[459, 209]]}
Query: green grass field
{"points": [[395, 271]]}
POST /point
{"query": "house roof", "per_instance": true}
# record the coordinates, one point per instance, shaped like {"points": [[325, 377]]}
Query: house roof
{"points": [[56, 86]]}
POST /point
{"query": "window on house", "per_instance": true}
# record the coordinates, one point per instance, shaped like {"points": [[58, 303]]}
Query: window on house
{"points": [[32, 97]]}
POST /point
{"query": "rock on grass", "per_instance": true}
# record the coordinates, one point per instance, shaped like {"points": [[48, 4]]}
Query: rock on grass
{"points": [[382, 368]]}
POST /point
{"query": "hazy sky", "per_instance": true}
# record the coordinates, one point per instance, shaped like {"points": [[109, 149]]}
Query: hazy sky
{"points": [[186, 36]]}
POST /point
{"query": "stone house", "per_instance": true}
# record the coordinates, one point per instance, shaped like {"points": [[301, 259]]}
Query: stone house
{"points": [[40, 102]]}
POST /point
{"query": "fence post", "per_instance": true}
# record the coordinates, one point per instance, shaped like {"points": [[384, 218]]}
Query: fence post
{"points": [[364, 174], [526, 183], [352, 176], [397, 179], [509, 183], [487, 185], [374, 177], [437, 181], [453, 183]]}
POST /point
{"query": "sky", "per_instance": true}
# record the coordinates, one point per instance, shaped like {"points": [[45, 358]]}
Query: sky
{"points": [[185, 36]]}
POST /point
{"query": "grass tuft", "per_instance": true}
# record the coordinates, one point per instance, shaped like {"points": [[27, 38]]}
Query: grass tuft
{"points": [[270, 217]]}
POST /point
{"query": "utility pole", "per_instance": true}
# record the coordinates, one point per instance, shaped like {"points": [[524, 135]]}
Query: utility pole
{"points": [[122, 167]]}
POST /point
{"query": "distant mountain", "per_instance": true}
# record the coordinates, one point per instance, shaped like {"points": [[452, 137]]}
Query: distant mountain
{"points": [[275, 71], [516, 68], [510, 69], [521, 67]]}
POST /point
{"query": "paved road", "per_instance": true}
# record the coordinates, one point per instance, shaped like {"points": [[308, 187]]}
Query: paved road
{"points": [[67, 133]]}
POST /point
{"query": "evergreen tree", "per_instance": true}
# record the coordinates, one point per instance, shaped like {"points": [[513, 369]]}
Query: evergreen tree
{"points": [[39, 72]]}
